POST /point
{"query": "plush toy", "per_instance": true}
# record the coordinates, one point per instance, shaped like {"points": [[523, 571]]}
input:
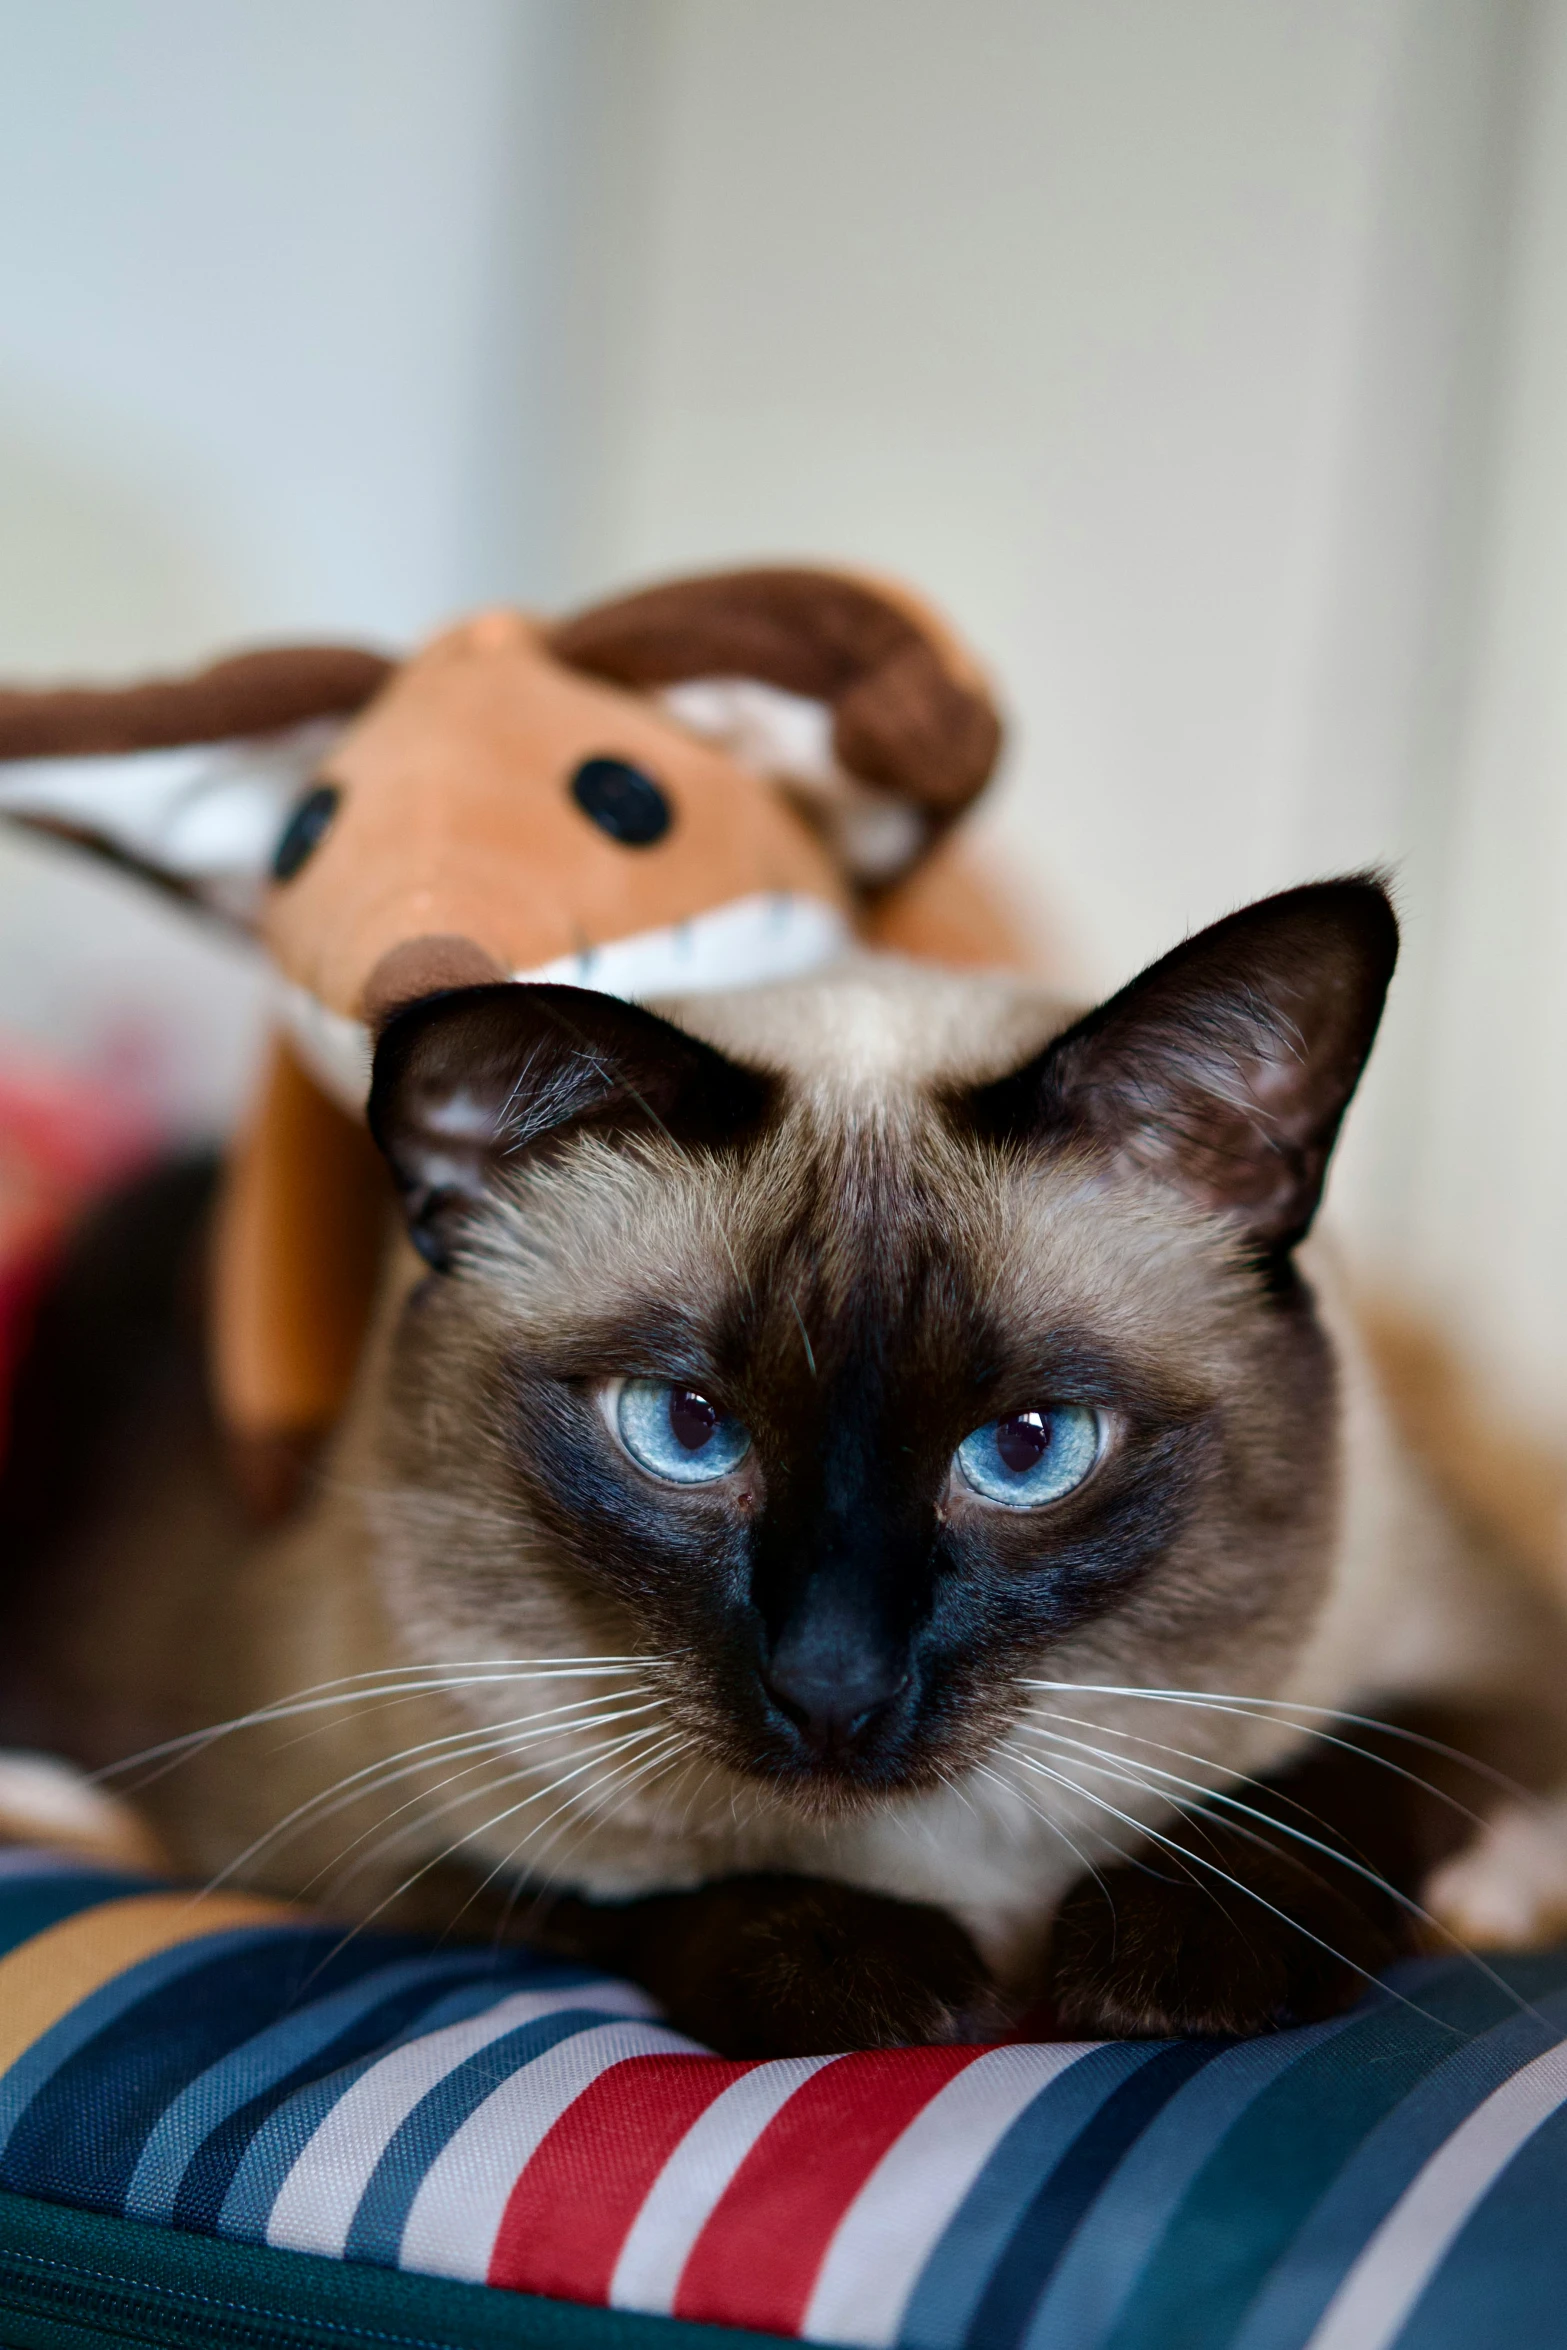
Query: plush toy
{"points": [[712, 782]]}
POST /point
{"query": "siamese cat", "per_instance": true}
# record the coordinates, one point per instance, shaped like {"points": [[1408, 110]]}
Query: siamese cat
{"points": [[864, 1509]]}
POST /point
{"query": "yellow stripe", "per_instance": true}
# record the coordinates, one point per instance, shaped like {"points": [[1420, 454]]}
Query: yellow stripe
{"points": [[57, 1969]]}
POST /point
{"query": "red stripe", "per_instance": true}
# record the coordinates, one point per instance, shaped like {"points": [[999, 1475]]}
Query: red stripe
{"points": [[573, 2205], [756, 2260]]}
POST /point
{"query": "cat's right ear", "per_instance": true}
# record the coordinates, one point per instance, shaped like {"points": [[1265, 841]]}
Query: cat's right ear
{"points": [[1225, 1069], [466, 1083]]}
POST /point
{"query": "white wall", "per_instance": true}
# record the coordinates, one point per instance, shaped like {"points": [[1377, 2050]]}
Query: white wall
{"points": [[279, 356], [1052, 307], [1488, 1194], [1196, 356]]}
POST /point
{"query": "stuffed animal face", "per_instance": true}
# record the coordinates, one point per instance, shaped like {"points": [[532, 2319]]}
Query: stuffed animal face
{"points": [[497, 815], [681, 789]]}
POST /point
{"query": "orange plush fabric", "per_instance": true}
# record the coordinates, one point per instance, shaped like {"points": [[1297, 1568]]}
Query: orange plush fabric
{"points": [[454, 822], [300, 1226]]}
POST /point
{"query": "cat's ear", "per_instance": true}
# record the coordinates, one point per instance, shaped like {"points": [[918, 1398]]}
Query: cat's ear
{"points": [[1226, 1068], [465, 1083]]}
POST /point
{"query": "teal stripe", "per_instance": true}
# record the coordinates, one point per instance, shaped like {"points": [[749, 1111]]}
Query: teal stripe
{"points": [[1377, 2171], [1261, 2182], [1503, 2279], [284, 2135], [376, 2231], [75, 2280], [33, 2070], [952, 2282], [1115, 2238], [248, 2071]]}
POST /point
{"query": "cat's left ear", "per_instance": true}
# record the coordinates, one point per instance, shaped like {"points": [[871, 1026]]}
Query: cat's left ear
{"points": [[467, 1082], [1225, 1069]]}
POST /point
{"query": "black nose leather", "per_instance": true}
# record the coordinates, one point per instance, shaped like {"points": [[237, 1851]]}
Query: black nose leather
{"points": [[832, 1682]]}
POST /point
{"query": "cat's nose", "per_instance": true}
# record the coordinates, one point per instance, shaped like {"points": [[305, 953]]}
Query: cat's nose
{"points": [[832, 1685]]}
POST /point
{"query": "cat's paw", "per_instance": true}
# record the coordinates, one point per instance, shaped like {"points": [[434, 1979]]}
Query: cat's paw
{"points": [[1508, 1889], [770, 1966], [46, 1801], [1138, 1954]]}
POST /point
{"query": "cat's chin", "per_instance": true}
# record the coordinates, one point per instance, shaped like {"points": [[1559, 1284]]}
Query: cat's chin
{"points": [[822, 1794]]}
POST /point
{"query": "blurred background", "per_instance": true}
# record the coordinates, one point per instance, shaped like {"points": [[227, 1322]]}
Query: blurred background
{"points": [[1207, 361]]}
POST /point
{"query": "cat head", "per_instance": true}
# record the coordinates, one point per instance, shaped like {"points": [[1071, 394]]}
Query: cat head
{"points": [[887, 1337]]}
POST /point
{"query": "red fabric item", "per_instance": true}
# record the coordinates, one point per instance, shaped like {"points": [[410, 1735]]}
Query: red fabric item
{"points": [[63, 1139], [573, 2206], [756, 2260]]}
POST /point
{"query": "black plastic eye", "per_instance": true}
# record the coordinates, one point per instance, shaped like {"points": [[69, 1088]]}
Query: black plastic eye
{"points": [[305, 830], [622, 801]]}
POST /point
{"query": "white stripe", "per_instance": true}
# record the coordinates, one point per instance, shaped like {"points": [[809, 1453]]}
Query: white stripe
{"points": [[1393, 2270], [884, 2238], [682, 2198], [316, 2204], [457, 2212]]}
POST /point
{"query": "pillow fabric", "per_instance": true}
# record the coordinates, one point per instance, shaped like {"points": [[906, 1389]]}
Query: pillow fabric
{"points": [[177, 2067]]}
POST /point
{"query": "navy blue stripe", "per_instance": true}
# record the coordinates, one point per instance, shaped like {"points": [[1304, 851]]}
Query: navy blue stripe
{"points": [[81, 2136], [960, 2263], [210, 2173], [280, 2139], [1056, 2209], [32, 2071], [376, 2233]]}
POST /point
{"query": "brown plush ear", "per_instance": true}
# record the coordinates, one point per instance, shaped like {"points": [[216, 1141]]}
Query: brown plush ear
{"points": [[910, 712], [466, 1082], [251, 693], [187, 780], [1226, 1068]]}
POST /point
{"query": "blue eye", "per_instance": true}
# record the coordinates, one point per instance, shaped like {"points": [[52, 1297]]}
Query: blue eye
{"points": [[1032, 1457], [675, 1433]]}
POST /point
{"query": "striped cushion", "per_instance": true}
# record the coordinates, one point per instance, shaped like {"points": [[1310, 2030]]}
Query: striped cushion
{"points": [[230, 2068]]}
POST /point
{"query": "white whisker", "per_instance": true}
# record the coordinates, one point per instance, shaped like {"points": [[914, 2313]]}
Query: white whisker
{"points": [[566, 1778], [1008, 1787], [356, 1688], [1271, 1710], [503, 1746], [1234, 1803], [1185, 1754], [1143, 1775], [387, 1770], [1184, 1857], [624, 1779], [428, 1813]]}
